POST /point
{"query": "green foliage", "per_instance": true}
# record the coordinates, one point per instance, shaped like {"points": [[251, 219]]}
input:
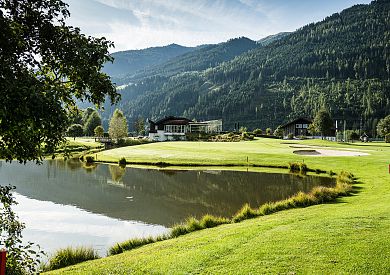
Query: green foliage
{"points": [[383, 126], [139, 125], [21, 258], [352, 135], [122, 161], [279, 132], [298, 167], [75, 130], [268, 131], [257, 132], [290, 136], [192, 224], [387, 138], [243, 129], [89, 159], [323, 122], [245, 213], [92, 122], [57, 63], [99, 131], [129, 244], [118, 125], [345, 68], [70, 256]]}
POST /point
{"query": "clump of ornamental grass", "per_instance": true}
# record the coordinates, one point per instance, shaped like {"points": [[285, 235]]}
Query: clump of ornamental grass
{"points": [[134, 243], [70, 256], [246, 212], [192, 224], [298, 167]]}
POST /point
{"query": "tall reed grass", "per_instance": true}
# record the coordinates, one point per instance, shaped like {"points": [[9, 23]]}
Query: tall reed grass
{"points": [[70, 256]]}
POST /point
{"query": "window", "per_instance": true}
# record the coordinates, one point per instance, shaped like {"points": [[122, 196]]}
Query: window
{"points": [[304, 126], [298, 126]]}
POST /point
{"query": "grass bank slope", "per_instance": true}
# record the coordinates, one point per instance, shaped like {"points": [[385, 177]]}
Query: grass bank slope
{"points": [[349, 236]]}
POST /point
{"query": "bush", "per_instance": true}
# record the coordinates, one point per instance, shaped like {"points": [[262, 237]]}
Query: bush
{"points": [[387, 138], [209, 221], [70, 256], [290, 136], [89, 159], [298, 167], [131, 244], [122, 161], [257, 132], [246, 212], [268, 131]]}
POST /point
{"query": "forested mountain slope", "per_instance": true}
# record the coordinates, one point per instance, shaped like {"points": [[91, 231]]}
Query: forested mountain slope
{"points": [[205, 56], [342, 62], [128, 62]]}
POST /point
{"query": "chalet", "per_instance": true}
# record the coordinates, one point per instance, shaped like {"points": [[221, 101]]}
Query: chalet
{"points": [[176, 128], [297, 127]]}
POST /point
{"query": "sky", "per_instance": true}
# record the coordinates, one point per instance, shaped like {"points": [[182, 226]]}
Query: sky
{"points": [[139, 24]]}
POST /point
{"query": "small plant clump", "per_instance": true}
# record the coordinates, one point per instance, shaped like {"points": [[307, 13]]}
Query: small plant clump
{"points": [[387, 138], [70, 256], [89, 159], [122, 161], [192, 224], [298, 167]]}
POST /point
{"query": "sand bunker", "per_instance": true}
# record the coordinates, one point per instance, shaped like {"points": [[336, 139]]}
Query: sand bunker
{"points": [[329, 153]]}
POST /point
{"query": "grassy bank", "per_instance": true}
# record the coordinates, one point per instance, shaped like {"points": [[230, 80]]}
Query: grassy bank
{"points": [[348, 236]]}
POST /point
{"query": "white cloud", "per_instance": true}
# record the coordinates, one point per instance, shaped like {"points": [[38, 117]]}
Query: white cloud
{"points": [[134, 24]]}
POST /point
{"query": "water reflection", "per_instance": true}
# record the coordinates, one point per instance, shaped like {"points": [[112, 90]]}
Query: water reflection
{"points": [[150, 196]]}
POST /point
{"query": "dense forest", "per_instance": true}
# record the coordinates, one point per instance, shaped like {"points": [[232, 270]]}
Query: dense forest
{"points": [[341, 63]]}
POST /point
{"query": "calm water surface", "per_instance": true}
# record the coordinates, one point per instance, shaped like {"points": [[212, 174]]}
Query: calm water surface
{"points": [[67, 203]]}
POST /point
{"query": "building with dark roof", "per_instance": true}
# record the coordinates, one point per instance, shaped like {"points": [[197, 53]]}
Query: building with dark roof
{"points": [[176, 128], [297, 127]]}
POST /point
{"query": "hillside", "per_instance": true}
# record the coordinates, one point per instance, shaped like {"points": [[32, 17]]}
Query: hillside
{"points": [[342, 62], [128, 62], [138, 84], [272, 38]]}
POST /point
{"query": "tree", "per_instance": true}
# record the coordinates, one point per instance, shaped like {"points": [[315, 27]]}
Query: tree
{"points": [[383, 126], [139, 125], [75, 130], [323, 122], [93, 121], [99, 131], [86, 114], [45, 67], [279, 132], [21, 259], [118, 125]]}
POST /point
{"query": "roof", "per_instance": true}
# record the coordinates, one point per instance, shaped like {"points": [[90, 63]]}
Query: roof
{"points": [[173, 120], [307, 120]]}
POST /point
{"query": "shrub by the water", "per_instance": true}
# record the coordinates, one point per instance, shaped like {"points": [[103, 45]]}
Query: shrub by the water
{"points": [[89, 159], [246, 212], [209, 221], [122, 161], [70, 256]]}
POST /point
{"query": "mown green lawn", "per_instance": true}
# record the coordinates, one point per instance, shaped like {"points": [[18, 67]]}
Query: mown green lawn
{"points": [[350, 236]]}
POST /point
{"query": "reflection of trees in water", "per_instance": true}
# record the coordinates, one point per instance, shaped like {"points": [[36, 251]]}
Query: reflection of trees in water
{"points": [[159, 197], [89, 167], [117, 172], [73, 164]]}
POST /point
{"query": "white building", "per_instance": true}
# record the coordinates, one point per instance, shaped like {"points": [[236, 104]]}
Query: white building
{"points": [[176, 128]]}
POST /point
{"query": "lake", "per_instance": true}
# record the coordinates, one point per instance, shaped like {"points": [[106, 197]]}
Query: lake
{"points": [[67, 203]]}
